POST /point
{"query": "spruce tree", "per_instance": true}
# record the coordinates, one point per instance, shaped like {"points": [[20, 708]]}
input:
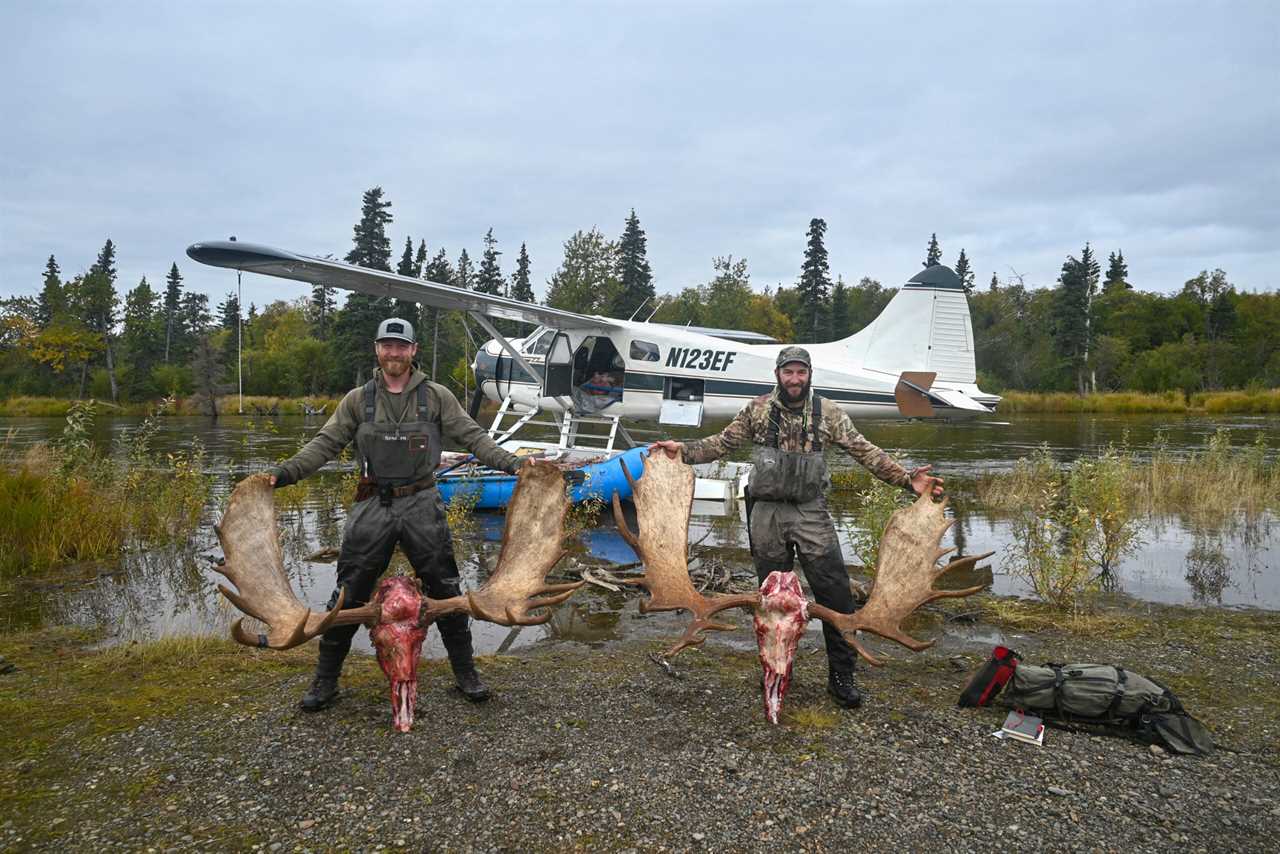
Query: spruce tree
{"points": [[142, 338], [406, 309], [635, 279], [355, 325], [815, 283], [1073, 309], [229, 311], [933, 256], [521, 285], [52, 302], [372, 249], [439, 270], [464, 276], [1117, 273], [964, 272], [489, 279], [100, 305], [172, 302], [995, 283], [840, 322], [420, 259], [323, 302]]}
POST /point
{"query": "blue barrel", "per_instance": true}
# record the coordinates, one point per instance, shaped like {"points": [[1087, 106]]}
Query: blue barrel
{"points": [[600, 480]]}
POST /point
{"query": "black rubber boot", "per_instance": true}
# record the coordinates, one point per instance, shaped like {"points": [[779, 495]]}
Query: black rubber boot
{"points": [[324, 687], [840, 685], [457, 641]]}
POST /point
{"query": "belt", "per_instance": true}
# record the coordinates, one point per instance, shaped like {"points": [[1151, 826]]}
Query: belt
{"points": [[368, 488]]}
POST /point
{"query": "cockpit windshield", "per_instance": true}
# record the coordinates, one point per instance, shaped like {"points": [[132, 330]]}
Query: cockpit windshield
{"points": [[538, 342]]}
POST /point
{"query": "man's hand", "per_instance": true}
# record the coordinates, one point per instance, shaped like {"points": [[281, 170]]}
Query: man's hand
{"points": [[279, 478], [921, 481], [674, 449]]}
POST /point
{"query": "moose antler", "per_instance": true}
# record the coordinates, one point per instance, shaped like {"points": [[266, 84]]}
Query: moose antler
{"points": [[254, 562], [663, 497], [532, 543], [905, 573]]}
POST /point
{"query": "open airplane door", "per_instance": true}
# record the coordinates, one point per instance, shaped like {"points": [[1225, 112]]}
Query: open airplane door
{"points": [[557, 380], [912, 393]]}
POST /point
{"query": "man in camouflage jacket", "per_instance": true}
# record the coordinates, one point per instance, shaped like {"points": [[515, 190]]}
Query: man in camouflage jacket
{"points": [[788, 514], [398, 422]]}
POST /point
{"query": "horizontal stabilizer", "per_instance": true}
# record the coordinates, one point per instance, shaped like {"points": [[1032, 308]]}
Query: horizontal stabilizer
{"points": [[912, 393]]}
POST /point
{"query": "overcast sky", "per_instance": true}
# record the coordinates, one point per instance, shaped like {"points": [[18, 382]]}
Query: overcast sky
{"points": [[1017, 131]]}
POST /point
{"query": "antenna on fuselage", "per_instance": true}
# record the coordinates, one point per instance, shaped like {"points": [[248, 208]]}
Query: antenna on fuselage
{"points": [[637, 311], [658, 305]]}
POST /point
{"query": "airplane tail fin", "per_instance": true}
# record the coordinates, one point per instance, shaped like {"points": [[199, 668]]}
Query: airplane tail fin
{"points": [[925, 327]]}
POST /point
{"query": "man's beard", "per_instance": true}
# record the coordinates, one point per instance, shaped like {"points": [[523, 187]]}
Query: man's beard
{"points": [[394, 367], [790, 398]]}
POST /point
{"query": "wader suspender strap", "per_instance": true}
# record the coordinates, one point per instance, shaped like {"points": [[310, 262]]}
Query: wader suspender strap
{"points": [[816, 425], [775, 415], [371, 401], [1119, 695]]}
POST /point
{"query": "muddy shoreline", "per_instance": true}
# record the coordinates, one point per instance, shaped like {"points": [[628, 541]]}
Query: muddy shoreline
{"points": [[198, 745]]}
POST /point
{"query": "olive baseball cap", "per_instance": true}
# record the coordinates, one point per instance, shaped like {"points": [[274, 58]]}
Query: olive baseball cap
{"points": [[395, 329], [794, 354]]}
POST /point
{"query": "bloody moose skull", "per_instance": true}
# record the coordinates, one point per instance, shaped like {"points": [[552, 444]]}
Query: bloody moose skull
{"points": [[780, 621], [398, 639]]}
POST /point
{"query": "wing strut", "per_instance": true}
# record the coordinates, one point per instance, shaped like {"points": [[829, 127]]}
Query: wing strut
{"points": [[515, 355]]}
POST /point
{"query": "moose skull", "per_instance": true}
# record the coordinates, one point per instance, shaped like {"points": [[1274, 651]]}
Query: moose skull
{"points": [[780, 621], [398, 639]]}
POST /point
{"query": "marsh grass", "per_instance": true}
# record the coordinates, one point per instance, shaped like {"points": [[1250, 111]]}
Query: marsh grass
{"points": [[66, 502], [1074, 523], [1205, 486], [867, 502], [1021, 615], [23, 406], [1248, 401]]}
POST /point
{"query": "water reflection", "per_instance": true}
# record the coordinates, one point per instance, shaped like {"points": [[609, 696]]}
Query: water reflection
{"points": [[173, 590]]}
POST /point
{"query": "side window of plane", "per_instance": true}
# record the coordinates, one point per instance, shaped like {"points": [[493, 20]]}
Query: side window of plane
{"points": [[643, 351], [540, 346]]}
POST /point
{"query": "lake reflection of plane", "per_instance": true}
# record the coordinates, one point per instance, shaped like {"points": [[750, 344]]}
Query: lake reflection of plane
{"points": [[914, 360]]}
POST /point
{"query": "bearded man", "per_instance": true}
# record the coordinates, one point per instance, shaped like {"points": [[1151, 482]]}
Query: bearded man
{"points": [[398, 421], [786, 494]]}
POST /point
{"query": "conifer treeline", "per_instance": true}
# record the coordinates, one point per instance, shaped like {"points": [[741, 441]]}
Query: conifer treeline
{"points": [[78, 338]]}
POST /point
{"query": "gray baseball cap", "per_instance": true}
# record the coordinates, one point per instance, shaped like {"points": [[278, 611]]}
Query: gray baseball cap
{"points": [[395, 329], [794, 354]]}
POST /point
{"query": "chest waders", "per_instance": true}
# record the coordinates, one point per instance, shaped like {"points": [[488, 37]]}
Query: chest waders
{"points": [[787, 518], [398, 458]]}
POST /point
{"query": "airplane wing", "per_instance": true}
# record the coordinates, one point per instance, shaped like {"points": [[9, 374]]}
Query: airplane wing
{"points": [[253, 258]]}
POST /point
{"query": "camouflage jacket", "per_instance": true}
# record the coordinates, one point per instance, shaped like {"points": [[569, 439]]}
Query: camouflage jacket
{"points": [[751, 426]]}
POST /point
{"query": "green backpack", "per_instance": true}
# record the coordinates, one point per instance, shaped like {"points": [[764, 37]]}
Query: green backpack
{"points": [[1112, 696]]}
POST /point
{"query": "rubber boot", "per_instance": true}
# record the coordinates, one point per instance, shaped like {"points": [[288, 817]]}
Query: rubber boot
{"points": [[324, 687], [458, 643], [840, 685]]}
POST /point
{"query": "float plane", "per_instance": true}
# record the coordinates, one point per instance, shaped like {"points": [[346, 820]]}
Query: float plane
{"points": [[915, 360]]}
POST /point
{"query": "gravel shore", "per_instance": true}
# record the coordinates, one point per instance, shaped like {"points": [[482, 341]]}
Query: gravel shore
{"points": [[599, 749]]}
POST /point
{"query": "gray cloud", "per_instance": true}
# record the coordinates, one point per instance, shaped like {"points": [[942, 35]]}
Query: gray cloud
{"points": [[1016, 131]]}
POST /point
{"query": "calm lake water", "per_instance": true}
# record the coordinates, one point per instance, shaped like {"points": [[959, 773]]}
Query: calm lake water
{"points": [[172, 590]]}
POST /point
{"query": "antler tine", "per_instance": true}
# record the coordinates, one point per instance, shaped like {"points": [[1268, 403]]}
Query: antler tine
{"points": [[663, 496], [623, 528], [905, 575], [532, 543], [254, 563]]}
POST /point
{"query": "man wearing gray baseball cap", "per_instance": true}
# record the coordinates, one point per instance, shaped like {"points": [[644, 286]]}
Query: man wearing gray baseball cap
{"points": [[398, 422], [787, 512]]}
